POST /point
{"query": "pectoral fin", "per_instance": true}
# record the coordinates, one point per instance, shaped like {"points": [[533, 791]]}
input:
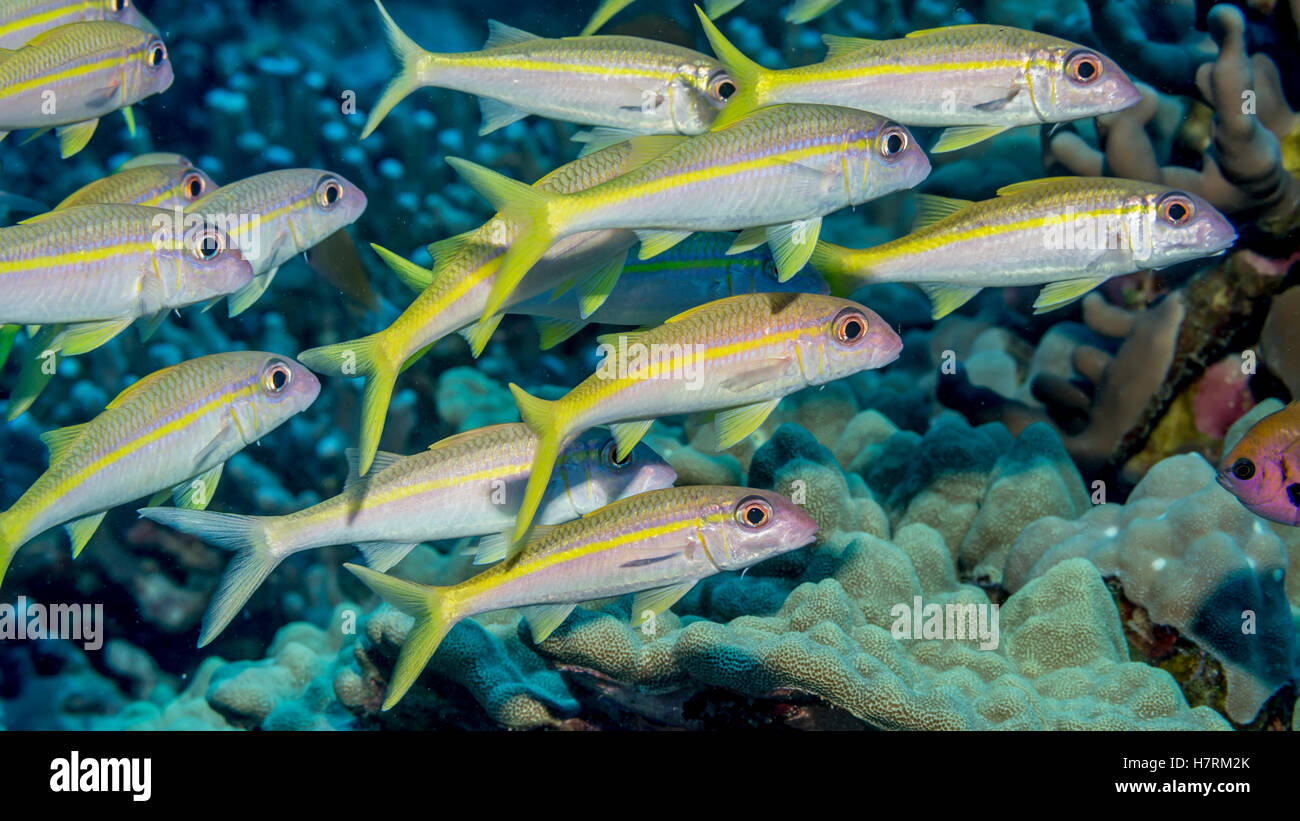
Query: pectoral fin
{"points": [[73, 138], [732, 425], [1063, 293], [763, 371], [555, 331], [946, 297], [792, 245], [962, 136], [596, 288], [244, 298], [543, 619], [649, 604], [654, 243], [748, 240], [82, 529], [197, 493]]}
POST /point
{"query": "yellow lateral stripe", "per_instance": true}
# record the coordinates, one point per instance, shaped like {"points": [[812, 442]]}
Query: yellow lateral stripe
{"points": [[889, 68], [711, 352], [75, 258], [557, 65], [400, 492], [152, 436], [70, 72], [936, 236], [35, 20], [656, 185]]}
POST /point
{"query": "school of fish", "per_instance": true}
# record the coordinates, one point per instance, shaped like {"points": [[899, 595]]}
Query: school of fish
{"points": [[719, 171]]}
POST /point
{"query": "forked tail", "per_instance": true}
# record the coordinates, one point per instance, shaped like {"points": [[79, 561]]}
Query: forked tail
{"points": [[410, 60], [543, 420], [749, 76], [368, 358], [434, 616]]}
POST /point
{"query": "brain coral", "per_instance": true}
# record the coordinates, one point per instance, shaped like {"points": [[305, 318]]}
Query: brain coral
{"points": [[1061, 660], [1188, 552]]}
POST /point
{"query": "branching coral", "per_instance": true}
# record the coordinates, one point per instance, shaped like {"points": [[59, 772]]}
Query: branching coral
{"points": [[1244, 172]]}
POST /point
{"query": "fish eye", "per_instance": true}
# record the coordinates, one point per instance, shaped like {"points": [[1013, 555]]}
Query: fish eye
{"points": [[118, 6], [850, 326], [276, 376], [1176, 209], [893, 141], [328, 192], [753, 512], [192, 185], [722, 87], [770, 269], [208, 244], [1083, 67], [610, 456], [1243, 469], [157, 54]]}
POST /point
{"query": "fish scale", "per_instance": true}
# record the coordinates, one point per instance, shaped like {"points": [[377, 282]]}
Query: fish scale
{"points": [[630, 83], [91, 69], [99, 262], [785, 166], [658, 543], [1069, 233], [737, 356], [467, 485], [21, 20], [170, 427]]}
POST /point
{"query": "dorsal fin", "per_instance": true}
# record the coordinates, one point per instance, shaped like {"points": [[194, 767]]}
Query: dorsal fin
{"points": [[931, 208], [838, 46], [411, 275], [947, 29], [499, 34], [139, 385], [645, 149], [60, 439], [383, 461], [1030, 185], [445, 250]]}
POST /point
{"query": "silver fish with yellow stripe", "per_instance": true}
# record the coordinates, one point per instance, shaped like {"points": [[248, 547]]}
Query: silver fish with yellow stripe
{"points": [[22, 20], [453, 294], [275, 216], [467, 485], [173, 429], [979, 80], [784, 167], [657, 545], [641, 86], [1070, 234], [100, 267], [736, 356], [70, 76], [155, 180]]}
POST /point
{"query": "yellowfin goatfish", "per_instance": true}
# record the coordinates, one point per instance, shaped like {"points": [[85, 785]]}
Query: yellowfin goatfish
{"points": [[70, 76], [22, 20], [628, 83], [175, 428], [981, 80], [272, 217], [454, 293], [737, 356], [657, 545], [699, 270], [100, 267], [1068, 233], [467, 485], [785, 167], [158, 184], [160, 181]]}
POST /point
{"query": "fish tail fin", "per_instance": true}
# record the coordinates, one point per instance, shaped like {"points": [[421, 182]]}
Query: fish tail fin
{"points": [[544, 419], [248, 537], [434, 612], [367, 357], [840, 269], [9, 543], [412, 61], [750, 78], [525, 205]]}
